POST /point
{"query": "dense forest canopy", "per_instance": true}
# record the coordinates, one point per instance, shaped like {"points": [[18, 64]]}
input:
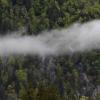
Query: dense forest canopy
{"points": [[74, 77], [39, 15]]}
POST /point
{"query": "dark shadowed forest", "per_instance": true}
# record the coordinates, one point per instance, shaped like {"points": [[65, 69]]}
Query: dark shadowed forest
{"points": [[62, 77]]}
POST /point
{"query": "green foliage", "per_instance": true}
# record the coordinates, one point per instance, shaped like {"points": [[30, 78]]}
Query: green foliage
{"points": [[21, 75], [4, 2], [84, 98], [41, 93], [40, 15], [66, 80]]}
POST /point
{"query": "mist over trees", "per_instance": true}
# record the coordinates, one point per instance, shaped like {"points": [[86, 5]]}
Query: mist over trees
{"points": [[74, 77]]}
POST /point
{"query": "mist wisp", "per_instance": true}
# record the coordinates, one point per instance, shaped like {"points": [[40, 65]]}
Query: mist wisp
{"points": [[77, 38]]}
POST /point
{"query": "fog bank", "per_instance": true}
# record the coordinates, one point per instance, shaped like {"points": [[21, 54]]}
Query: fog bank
{"points": [[77, 38]]}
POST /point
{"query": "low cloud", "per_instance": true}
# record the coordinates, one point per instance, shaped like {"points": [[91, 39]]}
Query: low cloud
{"points": [[77, 38]]}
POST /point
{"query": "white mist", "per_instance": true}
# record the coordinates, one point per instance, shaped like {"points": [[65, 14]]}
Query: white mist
{"points": [[76, 38]]}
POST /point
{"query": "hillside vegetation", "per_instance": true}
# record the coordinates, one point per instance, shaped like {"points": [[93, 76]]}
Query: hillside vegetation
{"points": [[74, 77]]}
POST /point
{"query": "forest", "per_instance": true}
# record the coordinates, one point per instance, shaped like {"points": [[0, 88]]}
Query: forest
{"points": [[64, 77]]}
